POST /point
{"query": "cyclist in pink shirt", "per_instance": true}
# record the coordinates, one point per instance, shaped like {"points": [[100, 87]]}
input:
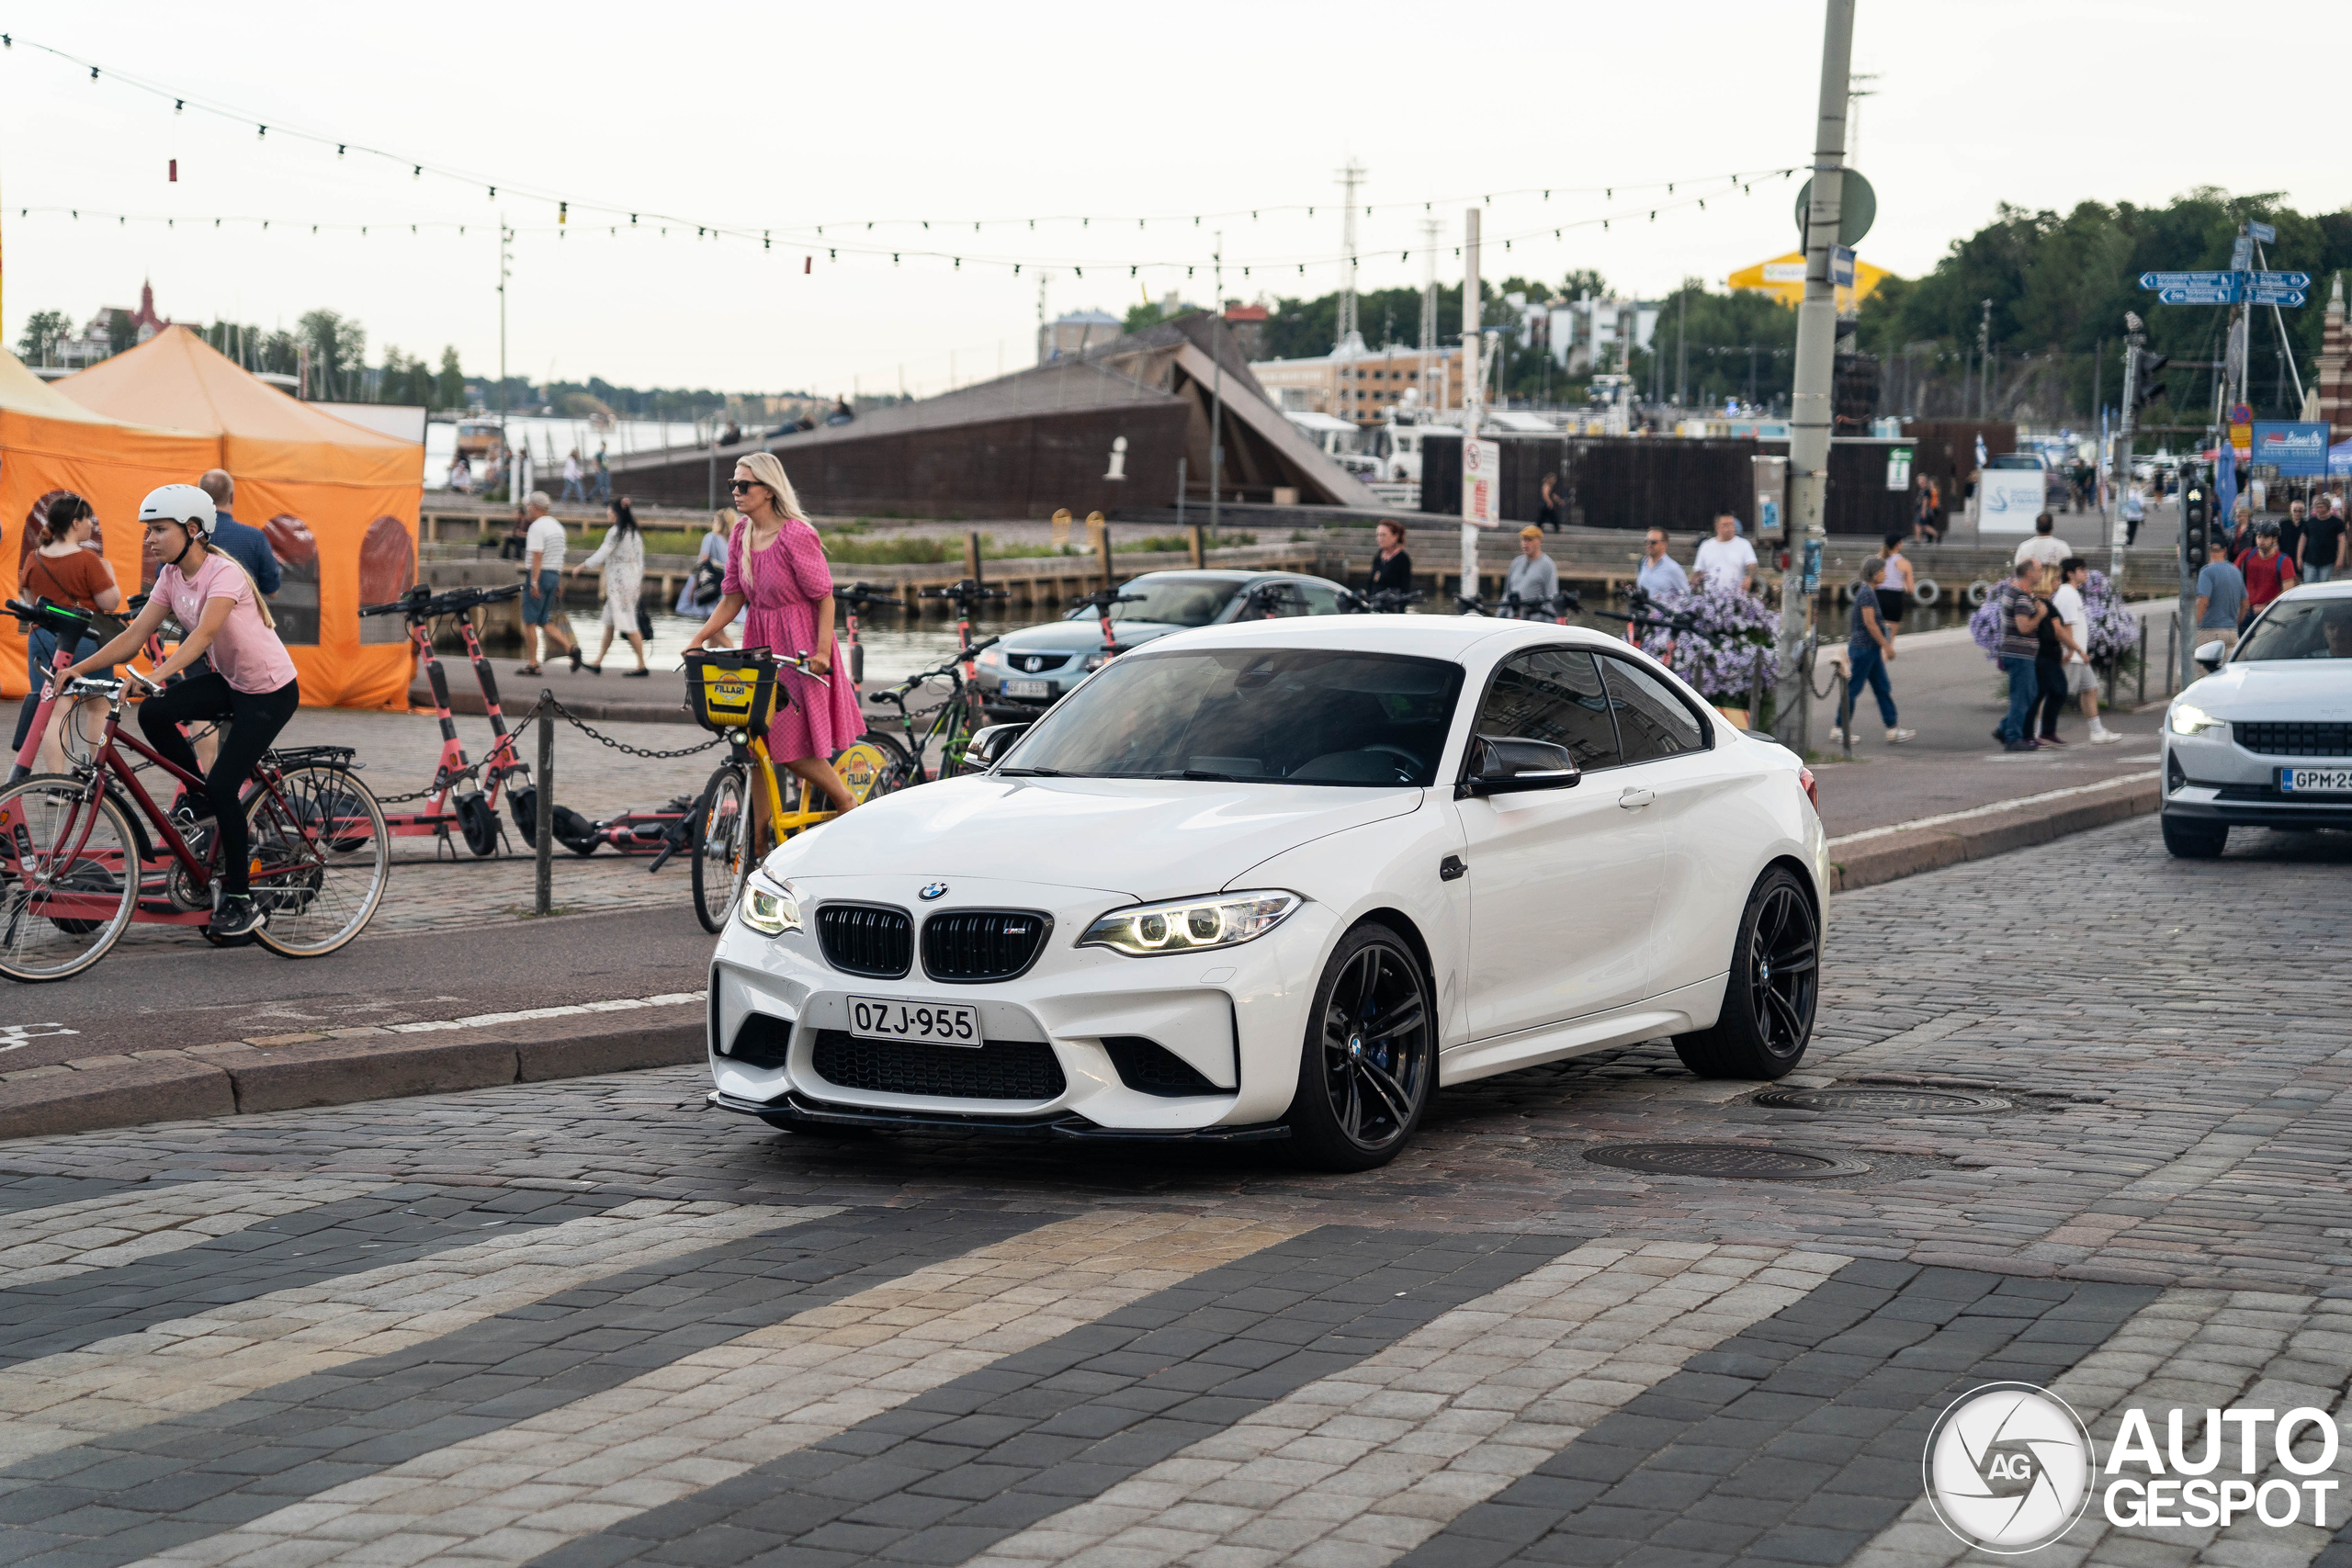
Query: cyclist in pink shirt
{"points": [[251, 682]]}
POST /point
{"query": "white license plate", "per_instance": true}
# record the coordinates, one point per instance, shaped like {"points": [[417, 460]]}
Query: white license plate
{"points": [[2315, 781], [1028, 688], [926, 1023]]}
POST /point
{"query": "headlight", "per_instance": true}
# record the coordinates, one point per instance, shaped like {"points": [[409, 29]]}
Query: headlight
{"points": [[2188, 718], [1096, 659], [768, 906], [1190, 925], [991, 659]]}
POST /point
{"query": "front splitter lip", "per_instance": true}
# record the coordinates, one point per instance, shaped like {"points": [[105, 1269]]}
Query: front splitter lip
{"points": [[794, 1105]]}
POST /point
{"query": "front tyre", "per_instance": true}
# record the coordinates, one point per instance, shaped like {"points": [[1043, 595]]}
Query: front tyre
{"points": [[722, 826], [1369, 1063], [69, 878], [2195, 840], [1773, 988], [319, 858]]}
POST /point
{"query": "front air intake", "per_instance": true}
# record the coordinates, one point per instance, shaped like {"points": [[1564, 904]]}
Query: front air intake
{"points": [[998, 1069], [1149, 1067], [761, 1040]]}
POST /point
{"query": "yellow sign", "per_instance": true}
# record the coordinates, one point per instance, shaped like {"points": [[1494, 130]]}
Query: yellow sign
{"points": [[1783, 278]]}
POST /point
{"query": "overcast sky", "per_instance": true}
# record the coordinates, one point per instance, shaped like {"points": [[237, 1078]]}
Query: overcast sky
{"points": [[779, 118]]}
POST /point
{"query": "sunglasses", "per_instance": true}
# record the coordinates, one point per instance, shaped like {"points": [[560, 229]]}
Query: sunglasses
{"points": [[740, 486]]}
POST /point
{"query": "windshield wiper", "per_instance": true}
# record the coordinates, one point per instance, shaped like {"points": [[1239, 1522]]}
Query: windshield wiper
{"points": [[1197, 774], [1030, 773]]}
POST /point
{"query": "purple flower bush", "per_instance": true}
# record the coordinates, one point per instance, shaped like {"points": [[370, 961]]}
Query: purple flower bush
{"points": [[2115, 631], [1731, 635]]}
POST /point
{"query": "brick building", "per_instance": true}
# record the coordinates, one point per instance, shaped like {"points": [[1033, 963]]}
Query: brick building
{"points": [[1363, 384]]}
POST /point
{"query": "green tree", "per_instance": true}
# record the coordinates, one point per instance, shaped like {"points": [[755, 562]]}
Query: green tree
{"points": [[338, 348], [43, 329], [1144, 315], [449, 389]]}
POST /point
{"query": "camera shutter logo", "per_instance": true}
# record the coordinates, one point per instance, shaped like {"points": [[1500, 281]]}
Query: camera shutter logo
{"points": [[2009, 1467]]}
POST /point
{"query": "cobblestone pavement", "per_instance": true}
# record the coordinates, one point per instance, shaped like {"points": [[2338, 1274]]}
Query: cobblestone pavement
{"points": [[582, 1323]]}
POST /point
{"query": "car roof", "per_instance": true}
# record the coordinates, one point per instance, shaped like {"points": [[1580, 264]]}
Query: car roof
{"points": [[2319, 590], [1426, 637], [1223, 574]]}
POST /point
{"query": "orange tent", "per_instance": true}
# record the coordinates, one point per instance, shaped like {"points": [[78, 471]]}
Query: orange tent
{"points": [[49, 443], [339, 503]]}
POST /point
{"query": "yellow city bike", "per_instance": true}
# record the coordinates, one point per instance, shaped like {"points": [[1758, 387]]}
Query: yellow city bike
{"points": [[734, 693]]}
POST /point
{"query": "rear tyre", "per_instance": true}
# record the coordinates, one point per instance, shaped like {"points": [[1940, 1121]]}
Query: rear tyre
{"points": [[1369, 1063], [1773, 988], [69, 879], [2196, 840], [477, 822], [886, 761], [722, 825], [574, 832], [318, 864]]}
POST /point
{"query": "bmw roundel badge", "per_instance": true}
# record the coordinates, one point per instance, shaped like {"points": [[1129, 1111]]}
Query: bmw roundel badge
{"points": [[935, 890]]}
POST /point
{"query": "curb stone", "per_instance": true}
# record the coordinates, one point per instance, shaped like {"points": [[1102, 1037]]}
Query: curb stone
{"points": [[1899, 856]]}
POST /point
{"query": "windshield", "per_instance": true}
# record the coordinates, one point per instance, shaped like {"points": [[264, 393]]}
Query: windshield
{"points": [[1272, 716], [2309, 628], [1173, 600]]}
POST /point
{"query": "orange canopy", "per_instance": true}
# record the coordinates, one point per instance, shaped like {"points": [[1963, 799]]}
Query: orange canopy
{"points": [[338, 501]]}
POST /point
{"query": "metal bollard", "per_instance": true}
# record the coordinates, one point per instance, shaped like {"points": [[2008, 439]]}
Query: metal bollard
{"points": [[2143, 698], [543, 894], [1845, 714]]}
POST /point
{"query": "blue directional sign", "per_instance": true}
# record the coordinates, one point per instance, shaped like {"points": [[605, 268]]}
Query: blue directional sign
{"points": [[2186, 279], [2280, 279], [2261, 296], [2241, 254], [2264, 233]]}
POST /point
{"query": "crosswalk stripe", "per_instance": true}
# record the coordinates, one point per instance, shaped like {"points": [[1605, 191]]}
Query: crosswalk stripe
{"points": [[1363, 1466], [207, 1358], [65, 1239], [2197, 1350], [508, 1496]]}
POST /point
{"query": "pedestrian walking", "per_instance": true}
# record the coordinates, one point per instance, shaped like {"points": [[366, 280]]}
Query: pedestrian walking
{"points": [[543, 544], [604, 474], [1895, 586], [66, 568], [2267, 571], [2075, 637], [1926, 517], [776, 568], [1532, 582], [2290, 533], [572, 490], [2022, 612], [2323, 542], [2221, 602], [1392, 568], [1659, 573], [2135, 507], [1548, 510], [622, 555], [1727, 562], [1870, 645], [2044, 548]]}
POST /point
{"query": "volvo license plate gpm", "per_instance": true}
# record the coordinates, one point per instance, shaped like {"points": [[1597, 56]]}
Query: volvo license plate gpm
{"points": [[931, 1023], [2315, 781]]}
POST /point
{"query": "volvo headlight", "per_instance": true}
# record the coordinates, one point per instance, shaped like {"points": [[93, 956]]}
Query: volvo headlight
{"points": [[768, 906], [2188, 718], [1190, 925]]}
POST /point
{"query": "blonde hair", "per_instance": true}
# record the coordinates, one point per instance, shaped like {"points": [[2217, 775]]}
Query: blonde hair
{"points": [[770, 472]]}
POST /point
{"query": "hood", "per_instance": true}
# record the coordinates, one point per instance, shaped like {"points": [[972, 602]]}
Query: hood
{"points": [[2277, 690], [1062, 637], [1144, 839]]}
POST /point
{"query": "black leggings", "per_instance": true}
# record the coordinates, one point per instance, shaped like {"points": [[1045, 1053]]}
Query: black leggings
{"points": [[253, 722]]}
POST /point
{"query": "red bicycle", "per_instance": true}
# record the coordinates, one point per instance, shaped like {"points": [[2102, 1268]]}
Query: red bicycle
{"points": [[473, 811], [86, 853]]}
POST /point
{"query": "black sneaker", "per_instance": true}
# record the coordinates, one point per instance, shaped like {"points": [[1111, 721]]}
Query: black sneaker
{"points": [[236, 917]]}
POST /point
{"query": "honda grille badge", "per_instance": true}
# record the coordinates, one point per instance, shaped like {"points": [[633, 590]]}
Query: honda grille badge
{"points": [[935, 890]]}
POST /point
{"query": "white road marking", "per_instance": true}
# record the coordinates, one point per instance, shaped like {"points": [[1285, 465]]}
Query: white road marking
{"points": [[1994, 809], [492, 1019], [13, 1036]]}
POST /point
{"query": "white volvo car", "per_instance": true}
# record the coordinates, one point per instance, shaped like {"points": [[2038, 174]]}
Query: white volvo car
{"points": [[2265, 740], [1286, 880]]}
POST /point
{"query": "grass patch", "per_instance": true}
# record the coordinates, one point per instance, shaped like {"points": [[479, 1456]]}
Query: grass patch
{"points": [[1164, 543]]}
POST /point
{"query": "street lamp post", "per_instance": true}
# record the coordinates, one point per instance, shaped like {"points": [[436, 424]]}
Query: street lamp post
{"points": [[1810, 405]]}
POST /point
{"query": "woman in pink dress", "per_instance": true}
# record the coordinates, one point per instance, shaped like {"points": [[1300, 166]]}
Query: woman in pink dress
{"points": [[775, 565]]}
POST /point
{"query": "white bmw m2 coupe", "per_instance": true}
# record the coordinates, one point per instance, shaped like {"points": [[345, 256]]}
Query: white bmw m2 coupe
{"points": [[1286, 880]]}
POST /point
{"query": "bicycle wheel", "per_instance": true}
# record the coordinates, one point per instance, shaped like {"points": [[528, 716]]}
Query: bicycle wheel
{"points": [[318, 857], [865, 764], [69, 881], [892, 773], [722, 831]]}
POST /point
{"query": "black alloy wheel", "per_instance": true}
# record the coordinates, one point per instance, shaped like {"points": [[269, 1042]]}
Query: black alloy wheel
{"points": [[1370, 1061], [1772, 991]]}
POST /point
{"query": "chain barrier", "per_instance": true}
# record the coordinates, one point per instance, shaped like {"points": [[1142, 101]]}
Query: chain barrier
{"points": [[593, 734], [537, 715]]}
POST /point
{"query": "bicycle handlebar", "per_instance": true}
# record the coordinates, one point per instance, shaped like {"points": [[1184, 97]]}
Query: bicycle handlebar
{"points": [[419, 603], [66, 624]]}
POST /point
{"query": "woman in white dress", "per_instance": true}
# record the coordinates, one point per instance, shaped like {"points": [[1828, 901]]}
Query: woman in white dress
{"points": [[622, 555]]}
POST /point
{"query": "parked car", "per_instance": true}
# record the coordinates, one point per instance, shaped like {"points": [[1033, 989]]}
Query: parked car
{"points": [[1285, 880], [2264, 739], [1037, 665]]}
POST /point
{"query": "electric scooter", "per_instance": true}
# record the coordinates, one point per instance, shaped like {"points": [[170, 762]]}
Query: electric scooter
{"points": [[473, 811]]}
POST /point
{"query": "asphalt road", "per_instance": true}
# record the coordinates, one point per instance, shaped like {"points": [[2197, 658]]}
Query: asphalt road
{"points": [[180, 997]]}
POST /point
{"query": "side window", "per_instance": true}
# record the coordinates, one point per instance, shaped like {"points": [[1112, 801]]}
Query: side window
{"points": [[1322, 598], [1551, 695], [1652, 722]]}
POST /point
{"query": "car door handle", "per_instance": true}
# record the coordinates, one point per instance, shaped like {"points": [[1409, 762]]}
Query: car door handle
{"points": [[1634, 799]]}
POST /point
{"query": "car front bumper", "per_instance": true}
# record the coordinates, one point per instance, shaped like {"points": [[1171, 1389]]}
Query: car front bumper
{"points": [[1235, 1015], [2209, 778]]}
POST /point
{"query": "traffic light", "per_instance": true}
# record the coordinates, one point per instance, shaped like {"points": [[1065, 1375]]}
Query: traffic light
{"points": [[2147, 390], [2196, 516]]}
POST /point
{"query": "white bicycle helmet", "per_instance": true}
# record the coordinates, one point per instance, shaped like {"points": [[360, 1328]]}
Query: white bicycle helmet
{"points": [[179, 503]]}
